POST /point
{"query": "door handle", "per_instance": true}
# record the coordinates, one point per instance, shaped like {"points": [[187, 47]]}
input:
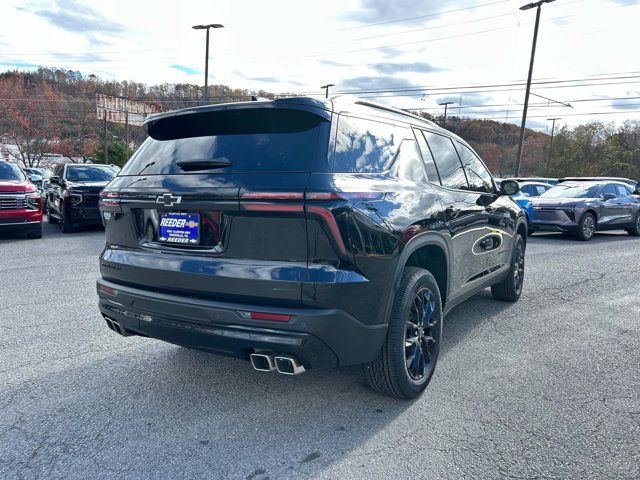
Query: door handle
{"points": [[452, 211]]}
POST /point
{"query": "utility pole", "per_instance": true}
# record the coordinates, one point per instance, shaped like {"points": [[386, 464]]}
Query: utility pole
{"points": [[106, 152], [538, 7], [326, 89], [553, 128], [126, 130], [206, 55], [444, 120]]}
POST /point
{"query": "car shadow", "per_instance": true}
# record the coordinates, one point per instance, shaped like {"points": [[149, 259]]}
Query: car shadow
{"points": [[600, 237], [14, 235], [220, 414]]}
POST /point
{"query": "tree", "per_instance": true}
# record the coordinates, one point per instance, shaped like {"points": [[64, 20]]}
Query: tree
{"points": [[117, 154], [30, 116]]}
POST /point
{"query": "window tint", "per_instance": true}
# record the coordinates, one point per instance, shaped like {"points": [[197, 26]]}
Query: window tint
{"points": [[430, 166], [477, 174], [447, 161], [408, 165], [250, 139], [610, 189], [366, 146], [623, 191]]}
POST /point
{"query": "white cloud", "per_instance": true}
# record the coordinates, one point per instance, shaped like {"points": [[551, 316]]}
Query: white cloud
{"points": [[293, 46]]}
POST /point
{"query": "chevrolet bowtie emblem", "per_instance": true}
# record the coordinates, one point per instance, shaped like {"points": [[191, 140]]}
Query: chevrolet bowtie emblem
{"points": [[168, 200]]}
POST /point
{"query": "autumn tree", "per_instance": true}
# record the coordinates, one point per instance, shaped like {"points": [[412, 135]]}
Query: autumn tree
{"points": [[29, 120]]}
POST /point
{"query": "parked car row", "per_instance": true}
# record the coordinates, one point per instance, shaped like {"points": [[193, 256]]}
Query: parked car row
{"points": [[580, 206], [21, 205], [69, 196]]}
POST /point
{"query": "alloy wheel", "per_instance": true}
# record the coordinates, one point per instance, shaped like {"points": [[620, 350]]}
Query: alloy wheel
{"points": [[422, 336], [588, 227], [518, 270]]}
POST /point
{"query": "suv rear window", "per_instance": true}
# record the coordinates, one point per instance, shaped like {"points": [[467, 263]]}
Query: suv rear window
{"points": [[251, 139]]}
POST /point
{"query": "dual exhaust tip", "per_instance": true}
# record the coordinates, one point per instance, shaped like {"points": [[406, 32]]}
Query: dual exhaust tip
{"points": [[116, 327], [284, 364]]}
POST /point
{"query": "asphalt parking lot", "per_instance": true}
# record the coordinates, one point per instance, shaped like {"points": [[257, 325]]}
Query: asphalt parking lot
{"points": [[547, 387]]}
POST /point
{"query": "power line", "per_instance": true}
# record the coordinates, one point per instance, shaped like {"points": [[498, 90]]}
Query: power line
{"points": [[408, 19]]}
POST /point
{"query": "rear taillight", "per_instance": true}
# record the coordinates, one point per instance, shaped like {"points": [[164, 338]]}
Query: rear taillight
{"points": [[346, 196], [109, 199], [272, 196]]}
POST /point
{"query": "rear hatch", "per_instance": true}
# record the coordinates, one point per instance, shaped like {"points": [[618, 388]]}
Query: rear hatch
{"points": [[212, 204]]}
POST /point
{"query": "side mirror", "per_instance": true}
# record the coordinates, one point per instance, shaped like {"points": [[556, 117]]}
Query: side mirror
{"points": [[55, 179], [609, 196], [35, 178], [509, 187]]}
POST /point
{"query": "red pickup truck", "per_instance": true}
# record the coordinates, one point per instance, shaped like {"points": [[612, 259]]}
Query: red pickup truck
{"points": [[20, 202]]}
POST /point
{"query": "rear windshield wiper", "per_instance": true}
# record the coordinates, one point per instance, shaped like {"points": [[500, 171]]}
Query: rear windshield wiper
{"points": [[202, 164]]}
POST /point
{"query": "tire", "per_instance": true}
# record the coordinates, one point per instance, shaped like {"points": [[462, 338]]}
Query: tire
{"points": [[635, 230], [510, 289], [586, 227], [35, 232], [47, 211], [65, 223], [401, 369]]}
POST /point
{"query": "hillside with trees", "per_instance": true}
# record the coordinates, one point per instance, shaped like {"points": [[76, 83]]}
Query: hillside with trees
{"points": [[53, 111]]}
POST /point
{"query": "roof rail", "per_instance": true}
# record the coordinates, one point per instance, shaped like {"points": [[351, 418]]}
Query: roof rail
{"points": [[393, 109]]}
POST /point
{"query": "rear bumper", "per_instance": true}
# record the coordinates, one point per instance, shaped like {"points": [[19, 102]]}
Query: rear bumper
{"points": [[318, 337]]}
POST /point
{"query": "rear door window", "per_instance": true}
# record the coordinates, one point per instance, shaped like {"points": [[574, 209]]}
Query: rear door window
{"points": [[367, 146], [447, 160], [427, 158], [250, 139], [408, 164], [478, 176]]}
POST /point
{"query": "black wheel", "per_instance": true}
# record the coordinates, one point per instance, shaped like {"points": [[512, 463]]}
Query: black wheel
{"points": [[35, 232], [635, 230], [47, 211], [409, 355], [586, 227], [510, 288], [65, 223]]}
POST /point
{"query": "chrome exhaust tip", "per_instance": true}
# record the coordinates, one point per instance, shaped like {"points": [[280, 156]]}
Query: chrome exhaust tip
{"points": [[116, 327], [288, 365], [263, 362]]}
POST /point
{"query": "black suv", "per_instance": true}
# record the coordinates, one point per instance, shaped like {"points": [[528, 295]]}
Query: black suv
{"points": [[300, 234], [73, 194]]}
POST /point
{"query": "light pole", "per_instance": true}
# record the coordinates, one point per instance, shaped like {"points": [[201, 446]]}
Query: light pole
{"points": [[553, 128], [538, 7], [326, 89], [445, 104], [206, 55]]}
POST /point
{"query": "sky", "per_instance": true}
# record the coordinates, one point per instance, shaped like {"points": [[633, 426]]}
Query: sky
{"points": [[405, 53]]}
